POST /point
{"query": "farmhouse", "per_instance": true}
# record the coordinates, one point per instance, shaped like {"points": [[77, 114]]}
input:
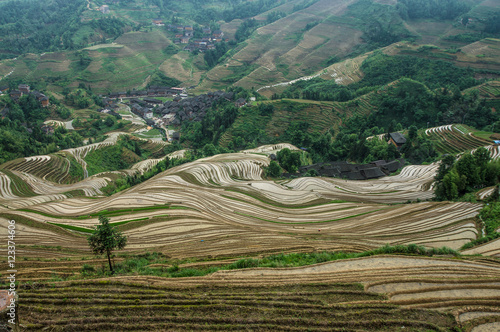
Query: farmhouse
{"points": [[41, 98], [47, 130], [158, 22], [4, 112], [240, 102], [218, 34], [153, 101], [4, 89], [15, 94], [397, 139], [24, 88], [44, 101]]}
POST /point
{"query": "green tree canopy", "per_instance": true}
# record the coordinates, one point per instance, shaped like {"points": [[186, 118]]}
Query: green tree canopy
{"points": [[106, 239]]}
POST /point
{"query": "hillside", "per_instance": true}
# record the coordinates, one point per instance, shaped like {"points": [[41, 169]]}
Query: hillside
{"points": [[306, 39], [339, 29], [202, 217], [299, 165]]}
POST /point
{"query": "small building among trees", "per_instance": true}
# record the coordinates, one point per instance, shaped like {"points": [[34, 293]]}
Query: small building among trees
{"points": [[397, 139]]}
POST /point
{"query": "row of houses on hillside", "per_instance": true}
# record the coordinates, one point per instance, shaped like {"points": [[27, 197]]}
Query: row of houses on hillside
{"points": [[192, 109], [185, 34], [25, 89], [344, 170], [153, 91]]}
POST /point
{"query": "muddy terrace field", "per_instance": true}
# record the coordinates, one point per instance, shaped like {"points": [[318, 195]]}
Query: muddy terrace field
{"points": [[222, 206], [217, 210]]}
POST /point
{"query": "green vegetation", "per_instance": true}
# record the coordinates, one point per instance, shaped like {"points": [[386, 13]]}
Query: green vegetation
{"points": [[273, 170], [32, 26], [106, 159], [160, 79], [288, 160], [20, 129], [140, 264], [441, 9], [490, 221], [381, 24], [470, 173], [380, 69], [105, 239], [132, 180], [126, 152], [72, 228], [217, 120]]}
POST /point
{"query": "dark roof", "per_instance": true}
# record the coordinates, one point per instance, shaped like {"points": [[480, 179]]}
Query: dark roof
{"points": [[392, 166], [3, 88], [153, 101], [379, 162], [398, 138], [372, 173], [355, 176]]}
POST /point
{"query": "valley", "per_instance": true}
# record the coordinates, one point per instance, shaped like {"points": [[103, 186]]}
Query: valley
{"points": [[284, 165]]}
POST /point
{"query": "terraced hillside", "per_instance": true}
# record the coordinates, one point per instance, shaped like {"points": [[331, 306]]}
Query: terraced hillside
{"points": [[308, 41], [381, 293], [127, 306], [319, 116], [125, 64], [221, 205], [455, 139], [214, 211]]}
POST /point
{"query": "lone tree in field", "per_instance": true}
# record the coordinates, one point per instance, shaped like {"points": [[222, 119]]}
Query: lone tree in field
{"points": [[105, 239]]}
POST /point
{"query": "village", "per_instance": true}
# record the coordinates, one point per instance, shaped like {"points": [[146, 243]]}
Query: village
{"points": [[169, 114], [197, 39], [24, 89]]}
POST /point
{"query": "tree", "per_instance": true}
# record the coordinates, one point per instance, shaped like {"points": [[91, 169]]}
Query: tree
{"points": [[109, 121], [274, 169], [105, 239], [289, 160]]}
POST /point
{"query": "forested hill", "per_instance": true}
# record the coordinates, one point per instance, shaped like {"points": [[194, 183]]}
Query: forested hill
{"points": [[43, 26]]}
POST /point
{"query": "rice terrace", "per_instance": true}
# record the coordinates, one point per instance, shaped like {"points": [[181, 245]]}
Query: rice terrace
{"points": [[291, 165]]}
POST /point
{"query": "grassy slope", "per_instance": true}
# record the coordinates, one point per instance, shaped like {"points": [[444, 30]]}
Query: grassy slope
{"points": [[277, 52]]}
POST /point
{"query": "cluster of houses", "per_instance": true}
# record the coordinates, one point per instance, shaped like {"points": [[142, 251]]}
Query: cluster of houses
{"points": [[344, 170], [144, 109], [185, 35], [24, 89], [171, 113], [193, 109], [153, 91]]}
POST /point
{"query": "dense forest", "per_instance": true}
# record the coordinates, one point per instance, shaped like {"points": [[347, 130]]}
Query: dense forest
{"points": [[441, 9], [469, 173], [380, 69], [35, 26], [21, 134]]}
